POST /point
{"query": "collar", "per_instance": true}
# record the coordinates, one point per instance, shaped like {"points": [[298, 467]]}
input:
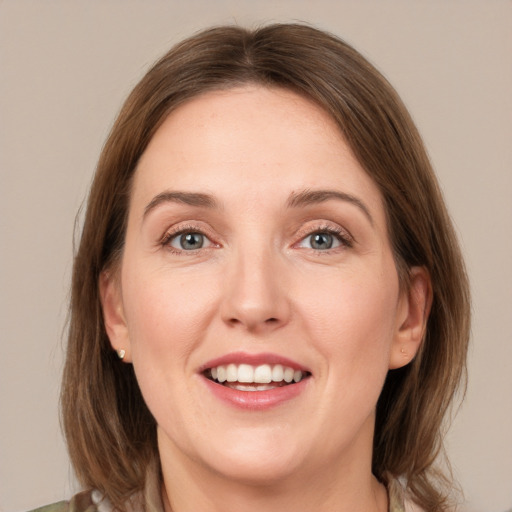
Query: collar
{"points": [[151, 499]]}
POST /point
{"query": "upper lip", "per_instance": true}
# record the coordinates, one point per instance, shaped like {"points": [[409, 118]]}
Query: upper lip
{"points": [[253, 360]]}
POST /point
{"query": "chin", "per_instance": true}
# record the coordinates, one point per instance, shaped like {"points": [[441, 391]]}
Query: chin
{"points": [[255, 458], [256, 469]]}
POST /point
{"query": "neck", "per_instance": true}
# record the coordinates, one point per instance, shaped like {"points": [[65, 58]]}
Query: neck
{"points": [[347, 486], [310, 496]]}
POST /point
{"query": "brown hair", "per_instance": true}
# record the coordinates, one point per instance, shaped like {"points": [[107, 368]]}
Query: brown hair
{"points": [[110, 432]]}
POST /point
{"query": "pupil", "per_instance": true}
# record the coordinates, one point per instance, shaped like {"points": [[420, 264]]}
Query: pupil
{"points": [[191, 241], [321, 241]]}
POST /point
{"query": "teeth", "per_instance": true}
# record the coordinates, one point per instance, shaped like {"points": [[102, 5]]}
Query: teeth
{"points": [[288, 374], [247, 374], [277, 373], [263, 374], [231, 373], [221, 373], [247, 387]]}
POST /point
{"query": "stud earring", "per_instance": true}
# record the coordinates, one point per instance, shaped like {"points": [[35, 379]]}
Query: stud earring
{"points": [[121, 353], [402, 350]]}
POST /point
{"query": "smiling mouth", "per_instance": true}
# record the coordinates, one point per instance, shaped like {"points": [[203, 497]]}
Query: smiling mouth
{"points": [[246, 377]]}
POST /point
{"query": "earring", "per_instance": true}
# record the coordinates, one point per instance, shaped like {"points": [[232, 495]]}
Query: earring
{"points": [[402, 350], [121, 353]]}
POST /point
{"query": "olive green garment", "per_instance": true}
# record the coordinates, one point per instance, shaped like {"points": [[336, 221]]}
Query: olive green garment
{"points": [[150, 500]]}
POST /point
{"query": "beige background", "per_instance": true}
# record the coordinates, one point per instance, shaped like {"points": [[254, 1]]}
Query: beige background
{"points": [[65, 68]]}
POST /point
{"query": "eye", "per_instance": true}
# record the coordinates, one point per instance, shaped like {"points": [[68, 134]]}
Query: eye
{"points": [[321, 241], [325, 239], [187, 241]]}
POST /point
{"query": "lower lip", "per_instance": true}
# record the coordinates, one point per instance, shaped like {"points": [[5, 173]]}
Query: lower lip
{"points": [[256, 400]]}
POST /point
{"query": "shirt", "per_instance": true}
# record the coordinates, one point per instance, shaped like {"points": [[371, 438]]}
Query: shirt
{"points": [[151, 501]]}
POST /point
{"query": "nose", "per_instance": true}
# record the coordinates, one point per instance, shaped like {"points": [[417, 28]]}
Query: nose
{"points": [[255, 295]]}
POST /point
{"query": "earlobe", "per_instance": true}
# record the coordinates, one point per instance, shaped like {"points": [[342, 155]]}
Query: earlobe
{"points": [[113, 315], [413, 312]]}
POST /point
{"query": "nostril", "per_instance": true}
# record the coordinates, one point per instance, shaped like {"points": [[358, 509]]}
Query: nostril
{"points": [[253, 320]]}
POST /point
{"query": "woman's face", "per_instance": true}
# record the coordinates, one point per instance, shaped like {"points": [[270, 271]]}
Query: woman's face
{"points": [[257, 250]]}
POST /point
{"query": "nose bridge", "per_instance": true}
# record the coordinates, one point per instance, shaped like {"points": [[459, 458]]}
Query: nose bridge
{"points": [[254, 293]]}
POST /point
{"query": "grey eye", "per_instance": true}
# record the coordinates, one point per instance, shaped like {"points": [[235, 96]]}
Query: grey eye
{"points": [[188, 241], [321, 241]]}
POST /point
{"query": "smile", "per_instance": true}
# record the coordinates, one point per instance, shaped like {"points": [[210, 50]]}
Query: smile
{"points": [[246, 377], [255, 381]]}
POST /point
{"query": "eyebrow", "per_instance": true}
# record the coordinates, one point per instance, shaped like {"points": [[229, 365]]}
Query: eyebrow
{"points": [[295, 200], [189, 198], [310, 197]]}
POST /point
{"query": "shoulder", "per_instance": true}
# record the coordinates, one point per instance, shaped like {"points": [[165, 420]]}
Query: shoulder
{"points": [[398, 500], [409, 506], [81, 502]]}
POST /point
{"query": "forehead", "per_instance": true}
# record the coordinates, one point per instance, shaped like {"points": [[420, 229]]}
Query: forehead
{"points": [[248, 142]]}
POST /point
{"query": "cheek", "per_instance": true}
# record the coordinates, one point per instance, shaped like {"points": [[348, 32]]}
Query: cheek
{"points": [[167, 313], [352, 318], [167, 319], [352, 325]]}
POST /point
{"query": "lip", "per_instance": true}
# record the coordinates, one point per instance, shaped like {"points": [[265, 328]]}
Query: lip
{"points": [[253, 360], [254, 400]]}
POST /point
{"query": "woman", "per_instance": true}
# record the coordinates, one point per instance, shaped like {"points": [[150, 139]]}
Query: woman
{"points": [[269, 306]]}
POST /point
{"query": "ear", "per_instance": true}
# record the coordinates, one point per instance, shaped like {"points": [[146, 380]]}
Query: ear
{"points": [[113, 314], [413, 311]]}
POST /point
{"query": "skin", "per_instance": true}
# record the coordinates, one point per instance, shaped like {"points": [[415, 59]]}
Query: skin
{"points": [[259, 286]]}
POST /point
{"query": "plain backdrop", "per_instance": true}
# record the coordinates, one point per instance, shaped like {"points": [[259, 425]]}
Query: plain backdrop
{"points": [[66, 66]]}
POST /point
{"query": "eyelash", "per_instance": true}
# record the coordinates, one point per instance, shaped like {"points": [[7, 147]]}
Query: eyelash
{"points": [[170, 235], [341, 235]]}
